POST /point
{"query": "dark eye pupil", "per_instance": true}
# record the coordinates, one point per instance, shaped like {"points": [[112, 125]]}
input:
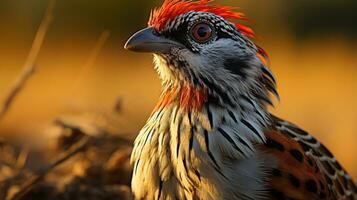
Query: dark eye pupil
{"points": [[202, 31]]}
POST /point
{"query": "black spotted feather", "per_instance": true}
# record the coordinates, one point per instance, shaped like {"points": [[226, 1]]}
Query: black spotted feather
{"points": [[335, 180]]}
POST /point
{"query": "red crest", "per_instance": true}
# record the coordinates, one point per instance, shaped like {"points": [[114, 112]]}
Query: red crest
{"points": [[173, 8]]}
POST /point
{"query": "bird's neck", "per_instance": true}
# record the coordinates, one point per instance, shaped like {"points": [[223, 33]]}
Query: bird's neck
{"points": [[180, 152]]}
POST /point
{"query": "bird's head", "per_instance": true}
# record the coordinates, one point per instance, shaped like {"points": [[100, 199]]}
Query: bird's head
{"points": [[197, 45]]}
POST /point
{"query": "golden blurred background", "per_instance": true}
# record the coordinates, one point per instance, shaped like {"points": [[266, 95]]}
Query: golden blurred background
{"points": [[311, 46]]}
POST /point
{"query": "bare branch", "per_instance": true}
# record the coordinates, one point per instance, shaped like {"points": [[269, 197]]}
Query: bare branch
{"points": [[92, 57], [97, 48], [30, 64], [22, 158], [72, 151]]}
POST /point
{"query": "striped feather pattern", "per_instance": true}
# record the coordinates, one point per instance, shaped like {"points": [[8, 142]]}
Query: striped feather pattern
{"points": [[320, 174], [189, 154]]}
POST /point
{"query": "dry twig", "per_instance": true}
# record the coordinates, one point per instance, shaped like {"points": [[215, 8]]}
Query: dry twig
{"points": [[30, 64], [92, 58], [74, 150]]}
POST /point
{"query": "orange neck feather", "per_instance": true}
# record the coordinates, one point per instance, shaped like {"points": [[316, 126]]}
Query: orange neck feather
{"points": [[188, 98]]}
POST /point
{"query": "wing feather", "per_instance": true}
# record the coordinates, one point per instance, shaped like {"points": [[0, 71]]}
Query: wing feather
{"points": [[316, 174]]}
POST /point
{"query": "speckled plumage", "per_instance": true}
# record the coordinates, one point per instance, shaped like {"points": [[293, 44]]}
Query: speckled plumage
{"points": [[211, 135]]}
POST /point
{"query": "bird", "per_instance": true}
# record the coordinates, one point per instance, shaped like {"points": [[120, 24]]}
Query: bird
{"points": [[211, 136]]}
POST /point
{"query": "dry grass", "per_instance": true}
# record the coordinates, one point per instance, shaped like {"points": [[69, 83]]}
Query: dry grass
{"points": [[81, 165]]}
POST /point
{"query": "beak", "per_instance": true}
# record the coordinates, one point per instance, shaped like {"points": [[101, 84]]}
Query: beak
{"points": [[148, 40]]}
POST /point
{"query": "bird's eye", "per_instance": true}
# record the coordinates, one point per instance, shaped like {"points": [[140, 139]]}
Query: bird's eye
{"points": [[202, 32]]}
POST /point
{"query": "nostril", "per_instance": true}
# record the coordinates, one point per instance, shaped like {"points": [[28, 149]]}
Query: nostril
{"points": [[155, 32]]}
